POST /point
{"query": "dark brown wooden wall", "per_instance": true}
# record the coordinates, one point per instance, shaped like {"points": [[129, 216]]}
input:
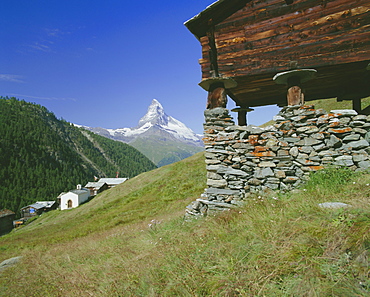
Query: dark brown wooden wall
{"points": [[266, 35]]}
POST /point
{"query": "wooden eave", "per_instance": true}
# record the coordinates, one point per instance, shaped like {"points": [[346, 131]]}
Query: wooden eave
{"points": [[331, 36], [342, 81], [212, 15]]}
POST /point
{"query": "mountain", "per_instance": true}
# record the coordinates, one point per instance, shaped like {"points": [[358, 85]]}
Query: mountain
{"points": [[160, 137], [41, 156]]}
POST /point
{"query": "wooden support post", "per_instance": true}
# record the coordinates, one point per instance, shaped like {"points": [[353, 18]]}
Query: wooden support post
{"points": [[295, 95], [293, 79], [216, 87], [216, 96], [242, 118], [356, 104], [242, 115]]}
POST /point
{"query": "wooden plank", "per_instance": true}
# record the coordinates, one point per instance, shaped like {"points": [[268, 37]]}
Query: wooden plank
{"points": [[305, 26], [303, 29], [359, 39], [350, 44], [278, 11], [242, 49]]}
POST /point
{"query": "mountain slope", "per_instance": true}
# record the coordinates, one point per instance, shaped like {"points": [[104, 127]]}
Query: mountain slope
{"points": [[41, 156], [160, 137]]}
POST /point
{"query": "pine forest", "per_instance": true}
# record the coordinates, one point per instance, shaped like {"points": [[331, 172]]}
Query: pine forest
{"points": [[42, 156]]}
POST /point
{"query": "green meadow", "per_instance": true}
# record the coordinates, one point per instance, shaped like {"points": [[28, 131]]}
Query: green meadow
{"points": [[133, 240]]}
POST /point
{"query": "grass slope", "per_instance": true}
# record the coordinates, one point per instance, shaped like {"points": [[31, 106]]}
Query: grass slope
{"points": [[164, 152], [132, 241]]}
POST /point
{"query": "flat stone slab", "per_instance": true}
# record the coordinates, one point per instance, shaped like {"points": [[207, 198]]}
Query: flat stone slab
{"points": [[308, 141], [333, 205], [216, 191], [360, 144], [254, 129], [9, 262], [226, 170], [347, 112], [344, 160], [216, 203]]}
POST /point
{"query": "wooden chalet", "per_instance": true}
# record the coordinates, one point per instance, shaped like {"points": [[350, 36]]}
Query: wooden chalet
{"points": [[249, 45], [38, 208], [96, 187], [112, 182]]}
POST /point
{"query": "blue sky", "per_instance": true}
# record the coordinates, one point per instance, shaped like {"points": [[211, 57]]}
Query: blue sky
{"points": [[100, 63]]}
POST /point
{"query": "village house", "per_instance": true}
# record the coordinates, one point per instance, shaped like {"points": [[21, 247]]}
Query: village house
{"points": [[74, 198], [96, 187], [38, 208], [6, 221], [112, 182]]}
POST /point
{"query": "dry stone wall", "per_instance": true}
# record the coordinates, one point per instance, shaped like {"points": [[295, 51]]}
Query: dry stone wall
{"points": [[246, 160]]}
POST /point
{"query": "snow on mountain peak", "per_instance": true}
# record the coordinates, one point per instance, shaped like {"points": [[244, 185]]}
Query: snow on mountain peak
{"points": [[154, 121], [154, 115]]}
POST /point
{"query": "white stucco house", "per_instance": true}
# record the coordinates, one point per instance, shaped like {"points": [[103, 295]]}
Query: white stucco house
{"points": [[74, 198]]}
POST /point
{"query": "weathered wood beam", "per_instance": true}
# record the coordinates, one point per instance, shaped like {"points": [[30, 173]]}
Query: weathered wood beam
{"points": [[356, 104]]}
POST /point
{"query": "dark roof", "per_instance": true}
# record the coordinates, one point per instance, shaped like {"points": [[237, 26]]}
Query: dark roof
{"points": [[213, 14], [47, 204], [40, 205], [6, 212], [35, 206], [78, 192], [113, 181], [96, 185]]}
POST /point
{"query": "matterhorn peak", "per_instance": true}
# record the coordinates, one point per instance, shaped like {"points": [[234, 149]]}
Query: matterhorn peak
{"points": [[155, 115], [157, 135]]}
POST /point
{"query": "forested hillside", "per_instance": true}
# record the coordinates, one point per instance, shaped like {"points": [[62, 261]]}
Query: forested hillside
{"points": [[41, 156]]}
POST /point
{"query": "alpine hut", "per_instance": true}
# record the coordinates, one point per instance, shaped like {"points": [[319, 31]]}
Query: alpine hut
{"points": [[267, 52]]}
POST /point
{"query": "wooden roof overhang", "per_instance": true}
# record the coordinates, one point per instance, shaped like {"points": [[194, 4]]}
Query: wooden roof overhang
{"points": [[252, 40]]}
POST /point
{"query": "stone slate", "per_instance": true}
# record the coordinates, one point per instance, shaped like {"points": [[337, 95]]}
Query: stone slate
{"points": [[351, 137], [360, 131], [360, 157], [254, 129], [263, 172], [9, 263], [356, 145], [333, 141], [217, 183], [278, 118], [333, 205], [344, 160], [367, 136], [291, 139], [216, 191], [360, 117], [344, 112], [364, 164], [308, 141]]}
